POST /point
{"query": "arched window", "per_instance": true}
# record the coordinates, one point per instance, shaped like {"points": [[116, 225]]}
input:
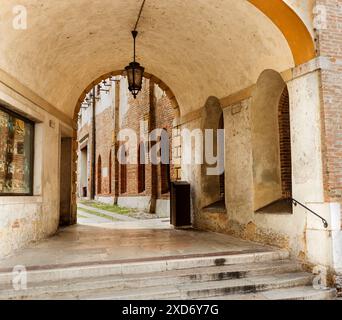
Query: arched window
{"points": [[123, 172], [165, 174], [141, 169], [165, 178], [285, 143], [110, 173], [99, 175]]}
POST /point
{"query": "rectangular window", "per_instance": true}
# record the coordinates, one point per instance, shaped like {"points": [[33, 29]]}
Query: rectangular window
{"points": [[16, 154]]}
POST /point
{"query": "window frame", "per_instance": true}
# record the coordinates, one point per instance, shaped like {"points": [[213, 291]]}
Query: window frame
{"points": [[31, 160]]}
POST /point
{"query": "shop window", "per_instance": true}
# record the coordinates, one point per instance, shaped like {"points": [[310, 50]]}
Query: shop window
{"points": [[16, 154]]}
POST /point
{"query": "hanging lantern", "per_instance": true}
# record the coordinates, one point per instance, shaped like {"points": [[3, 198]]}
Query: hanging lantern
{"points": [[135, 72]]}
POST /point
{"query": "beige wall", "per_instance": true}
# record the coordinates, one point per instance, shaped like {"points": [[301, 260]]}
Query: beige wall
{"points": [[265, 139], [26, 219], [302, 233]]}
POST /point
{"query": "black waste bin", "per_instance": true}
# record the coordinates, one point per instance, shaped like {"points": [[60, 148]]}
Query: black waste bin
{"points": [[180, 204]]}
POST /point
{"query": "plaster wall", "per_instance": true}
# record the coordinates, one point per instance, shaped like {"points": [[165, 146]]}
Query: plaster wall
{"points": [[26, 219], [302, 233], [167, 46], [265, 139]]}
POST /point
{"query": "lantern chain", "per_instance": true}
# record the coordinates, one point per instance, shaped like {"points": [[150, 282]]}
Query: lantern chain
{"points": [[139, 16]]}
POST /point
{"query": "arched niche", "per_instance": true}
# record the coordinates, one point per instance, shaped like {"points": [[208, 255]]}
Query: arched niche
{"points": [[212, 186], [266, 139]]}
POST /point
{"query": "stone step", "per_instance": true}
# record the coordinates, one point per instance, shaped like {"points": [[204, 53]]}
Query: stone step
{"points": [[197, 290], [296, 293], [61, 273], [204, 290], [134, 281]]}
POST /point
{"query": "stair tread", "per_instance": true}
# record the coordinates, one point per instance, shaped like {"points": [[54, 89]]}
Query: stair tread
{"points": [[231, 257], [182, 289], [295, 293], [280, 266]]}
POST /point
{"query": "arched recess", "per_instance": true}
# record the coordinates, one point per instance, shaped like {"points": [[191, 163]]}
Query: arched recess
{"points": [[212, 185], [123, 171], [110, 173], [165, 171], [141, 168], [99, 175], [293, 28], [271, 140]]}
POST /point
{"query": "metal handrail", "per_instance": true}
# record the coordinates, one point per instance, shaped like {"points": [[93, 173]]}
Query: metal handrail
{"points": [[296, 202]]}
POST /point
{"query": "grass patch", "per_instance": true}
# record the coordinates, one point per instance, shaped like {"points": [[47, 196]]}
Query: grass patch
{"points": [[101, 215], [81, 216], [107, 207]]}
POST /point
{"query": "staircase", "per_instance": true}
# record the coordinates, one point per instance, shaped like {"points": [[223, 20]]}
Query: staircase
{"points": [[268, 275]]}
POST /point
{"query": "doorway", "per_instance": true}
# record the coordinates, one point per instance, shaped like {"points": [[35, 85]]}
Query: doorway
{"points": [[65, 181]]}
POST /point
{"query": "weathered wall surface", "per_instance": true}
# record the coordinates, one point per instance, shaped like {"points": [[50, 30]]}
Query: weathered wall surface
{"points": [[302, 233], [265, 139], [26, 219], [330, 46]]}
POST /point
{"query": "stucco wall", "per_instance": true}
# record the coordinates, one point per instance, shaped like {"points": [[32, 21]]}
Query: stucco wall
{"points": [[265, 139], [26, 219], [302, 233]]}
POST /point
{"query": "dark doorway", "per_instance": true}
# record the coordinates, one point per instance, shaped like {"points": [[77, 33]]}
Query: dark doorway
{"points": [[65, 181]]}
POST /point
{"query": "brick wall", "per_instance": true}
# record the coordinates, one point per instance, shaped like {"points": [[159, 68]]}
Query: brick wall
{"points": [[130, 176], [139, 110], [104, 143], [85, 140], [330, 45], [285, 143]]}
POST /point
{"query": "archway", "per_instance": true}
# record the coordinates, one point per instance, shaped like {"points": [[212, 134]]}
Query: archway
{"points": [[293, 28], [277, 34], [180, 60], [155, 107]]}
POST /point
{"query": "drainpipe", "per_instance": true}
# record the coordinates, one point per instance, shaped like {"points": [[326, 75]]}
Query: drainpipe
{"points": [[93, 162]]}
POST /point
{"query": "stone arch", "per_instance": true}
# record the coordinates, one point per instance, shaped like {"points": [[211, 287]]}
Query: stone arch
{"points": [[169, 93], [147, 75], [291, 25], [212, 118], [271, 143]]}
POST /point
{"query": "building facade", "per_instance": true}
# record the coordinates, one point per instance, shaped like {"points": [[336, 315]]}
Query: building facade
{"points": [[140, 185], [273, 83]]}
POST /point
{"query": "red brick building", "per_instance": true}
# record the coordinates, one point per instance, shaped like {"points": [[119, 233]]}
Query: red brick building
{"points": [[139, 185]]}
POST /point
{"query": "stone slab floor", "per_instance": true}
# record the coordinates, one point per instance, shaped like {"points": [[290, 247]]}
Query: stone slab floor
{"points": [[123, 242]]}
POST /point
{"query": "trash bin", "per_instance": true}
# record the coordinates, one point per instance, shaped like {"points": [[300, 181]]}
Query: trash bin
{"points": [[180, 204]]}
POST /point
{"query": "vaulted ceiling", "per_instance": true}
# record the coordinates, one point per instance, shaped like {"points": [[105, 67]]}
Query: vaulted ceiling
{"points": [[199, 48]]}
